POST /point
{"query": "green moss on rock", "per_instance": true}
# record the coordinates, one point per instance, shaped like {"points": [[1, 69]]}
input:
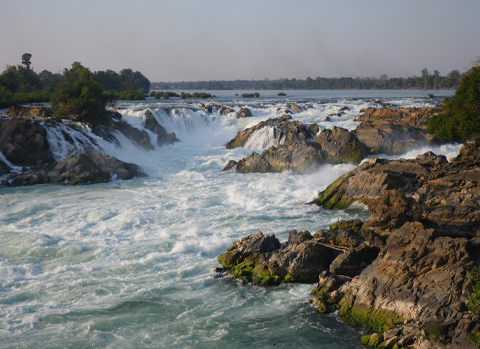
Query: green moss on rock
{"points": [[375, 319], [331, 198]]}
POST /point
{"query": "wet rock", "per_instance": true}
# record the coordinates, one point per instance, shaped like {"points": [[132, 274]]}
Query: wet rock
{"points": [[163, 137], [4, 169], [225, 111], [89, 167], [300, 150], [110, 164], [24, 142], [244, 113], [138, 137], [263, 260], [294, 107]]}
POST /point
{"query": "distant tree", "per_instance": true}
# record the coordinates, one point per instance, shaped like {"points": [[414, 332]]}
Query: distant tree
{"points": [[26, 60], [79, 96]]}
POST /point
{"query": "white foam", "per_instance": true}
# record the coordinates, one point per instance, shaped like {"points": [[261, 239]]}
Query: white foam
{"points": [[265, 138]]}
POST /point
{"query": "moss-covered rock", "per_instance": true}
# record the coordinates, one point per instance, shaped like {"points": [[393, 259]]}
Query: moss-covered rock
{"points": [[378, 320]]}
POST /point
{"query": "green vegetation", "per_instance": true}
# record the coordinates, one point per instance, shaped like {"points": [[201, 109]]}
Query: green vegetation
{"points": [[252, 270], [425, 81], [475, 300], [377, 320], [202, 95], [79, 96], [460, 119], [331, 198], [434, 329], [128, 85], [474, 305], [251, 95], [166, 95], [354, 224], [20, 84]]}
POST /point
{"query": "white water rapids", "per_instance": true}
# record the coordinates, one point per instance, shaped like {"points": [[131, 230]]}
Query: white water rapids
{"points": [[131, 263]]}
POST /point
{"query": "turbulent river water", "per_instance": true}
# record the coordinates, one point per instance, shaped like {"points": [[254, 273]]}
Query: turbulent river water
{"points": [[132, 263]]}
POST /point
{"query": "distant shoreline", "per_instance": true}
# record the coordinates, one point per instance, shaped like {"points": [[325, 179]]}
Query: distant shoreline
{"points": [[426, 81]]}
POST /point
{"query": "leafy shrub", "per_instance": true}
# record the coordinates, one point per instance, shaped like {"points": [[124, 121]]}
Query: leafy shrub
{"points": [[80, 97], [460, 119]]}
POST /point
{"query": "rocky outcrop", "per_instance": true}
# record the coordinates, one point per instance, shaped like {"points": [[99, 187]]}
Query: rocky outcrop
{"points": [[39, 111], [447, 192], [294, 108], [89, 167], [301, 148], [262, 260], [385, 131], [394, 131], [24, 142], [163, 137], [137, 136], [243, 113], [406, 272], [418, 290]]}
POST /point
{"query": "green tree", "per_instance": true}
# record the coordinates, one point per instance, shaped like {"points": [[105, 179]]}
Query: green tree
{"points": [[460, 118], [79, 96]]}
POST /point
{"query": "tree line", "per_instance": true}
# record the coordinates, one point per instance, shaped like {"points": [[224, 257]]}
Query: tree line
{"points": [[20, 84], [427, 80]]}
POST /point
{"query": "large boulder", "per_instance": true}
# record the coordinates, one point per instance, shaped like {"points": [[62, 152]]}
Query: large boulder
{"points": [[394, 131], [339, 145], [263, 260], [243, 113], [390, 138], [85, 168], [353, 261], [294, 107], [24, 142], [298, 147], [138, 137], [80, 169], [163, 137], [419, 277], [391, 210], [112, 165]]}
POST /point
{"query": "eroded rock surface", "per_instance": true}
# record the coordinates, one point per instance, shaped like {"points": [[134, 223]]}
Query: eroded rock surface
{"points": [[381, 131], [300, 148], [404, 273]]}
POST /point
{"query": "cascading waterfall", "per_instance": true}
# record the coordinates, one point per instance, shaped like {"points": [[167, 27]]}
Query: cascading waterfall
{"points": [[9, 164], [265, 138], [65, 141]]}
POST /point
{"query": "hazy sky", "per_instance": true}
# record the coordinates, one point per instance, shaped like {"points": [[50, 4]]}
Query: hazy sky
{"points": [[179, 40]]}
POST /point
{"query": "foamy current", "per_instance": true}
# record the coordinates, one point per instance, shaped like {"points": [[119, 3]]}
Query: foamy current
{"points": [[131, 263]]}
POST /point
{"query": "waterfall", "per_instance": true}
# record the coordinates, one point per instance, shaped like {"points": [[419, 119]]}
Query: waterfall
{"points": [[65, 141], [265, 138]]}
